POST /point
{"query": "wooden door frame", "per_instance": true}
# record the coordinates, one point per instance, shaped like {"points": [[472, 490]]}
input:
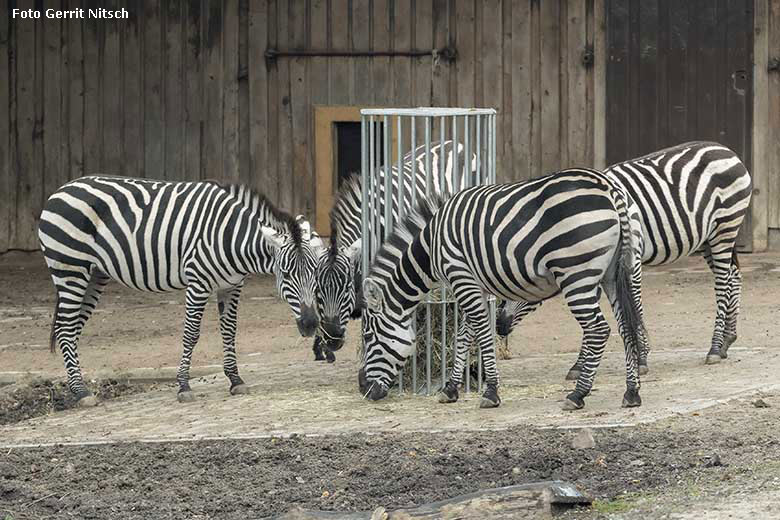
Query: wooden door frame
{"points": [[761, 166], [325, 119]]}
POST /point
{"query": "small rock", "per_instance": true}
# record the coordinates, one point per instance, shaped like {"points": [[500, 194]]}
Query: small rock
{"points": [[515, 471], [637, 463], [583, 440], [760, 403], [300, 480], [713, 461], [379, 514], [69, 468]]}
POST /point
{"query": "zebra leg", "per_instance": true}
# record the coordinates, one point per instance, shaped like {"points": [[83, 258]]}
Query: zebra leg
{"points": [[633, 351], [576, 369], [733, 299], [197, 296], [317, 348], [227, 304], [636, 295], [719, 260], [584, 305], [464, 340], [77, 296]]}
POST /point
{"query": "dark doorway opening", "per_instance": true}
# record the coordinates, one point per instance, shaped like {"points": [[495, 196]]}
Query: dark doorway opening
{"points": [[348, 152]]}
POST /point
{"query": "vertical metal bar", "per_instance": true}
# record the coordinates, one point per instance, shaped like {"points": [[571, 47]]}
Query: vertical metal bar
{"points": [[414, 160], [455, 154], [401, 176], [364, 211], [428, 342], [493, 151], [478, 175], [372, 189], [428, 189], [428, 184], [467, 166], [442, 157], [388, 180]]}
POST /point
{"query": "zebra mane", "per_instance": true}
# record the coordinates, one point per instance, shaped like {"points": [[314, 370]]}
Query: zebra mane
{"points": [[264, 209], [347, 199], [333, 248], [408, 229]]}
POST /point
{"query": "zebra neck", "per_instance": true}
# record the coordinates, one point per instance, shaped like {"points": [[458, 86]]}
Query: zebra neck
{"points": [[411, 278]]}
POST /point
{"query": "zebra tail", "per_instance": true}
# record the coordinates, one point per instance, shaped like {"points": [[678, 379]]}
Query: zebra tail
{"points": [[52, 339], [734, 258], [632, 318]]}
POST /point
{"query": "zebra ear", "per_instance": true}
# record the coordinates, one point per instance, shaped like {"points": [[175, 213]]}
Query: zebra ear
{"points": [[353, 251], [372, 294], [272, 236], [305, 227]]}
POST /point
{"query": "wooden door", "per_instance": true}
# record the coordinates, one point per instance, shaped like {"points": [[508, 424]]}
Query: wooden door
{"points": [[679, 71]]}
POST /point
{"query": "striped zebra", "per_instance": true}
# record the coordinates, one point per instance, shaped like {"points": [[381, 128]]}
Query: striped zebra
{"points": [[572, 232], [162, 236], [338, 272], [691, 197]]}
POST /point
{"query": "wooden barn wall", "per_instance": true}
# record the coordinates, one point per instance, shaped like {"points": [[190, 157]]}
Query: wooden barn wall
{"points": [[772, 160], [182, 89]]}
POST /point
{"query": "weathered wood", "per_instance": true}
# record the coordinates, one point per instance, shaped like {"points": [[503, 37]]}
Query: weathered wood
{"points": [[6, 177], [774, 117], [536, 91], [761, 131], [617, 111], [402, 40], [261, 174], [563, 82], [173, 87], [229, 136], [504, 130], [599, 102], [361, 86], [577, 102], [284, 122], [272, 187], [52, 178], [192, 90], [153, 99], [212, 91], [111, 106], [92, 96], [132, 95], [244, 175], [524, 501], [550, 86], [521, 92], [423, 39], [381, 77], [340, 77], [440, 95], [465, 65], [301, 179]]}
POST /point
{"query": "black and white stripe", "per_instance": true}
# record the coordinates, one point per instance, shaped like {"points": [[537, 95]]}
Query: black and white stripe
{"points": [[573, 232], [338, 278], [692, 197], [163, 236]]}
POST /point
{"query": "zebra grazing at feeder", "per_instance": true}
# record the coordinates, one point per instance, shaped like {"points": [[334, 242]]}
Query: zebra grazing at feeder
{"points": [[338, 272], [161, 236], [572, 232], [691, 197]]}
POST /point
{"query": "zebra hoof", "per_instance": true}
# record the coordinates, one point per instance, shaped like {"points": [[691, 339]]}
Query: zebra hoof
{"points": [[573, 402], [319, 357], [330, 357], [643, 370], [631, 399], [712, 359], [448, 394], [186, 396], [239, 389], [89, 401], [728, 340], [490, 398], [573, 375]]}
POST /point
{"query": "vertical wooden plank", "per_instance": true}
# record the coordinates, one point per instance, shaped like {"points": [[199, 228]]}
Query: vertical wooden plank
{"points": [[153, 98], [27, 176], [274, 80], [381, 78], [600, 52], [521, 91], [230, 137], [173, 76], [361, 41], [285, 180], [402, 41], [51, 102], [302, 185], [132, 95], [258, 96], [340, 79], [535, 158], [576, 124], [633, 78], [774, 117], [318, 67], [707, 66], [92, 95], [423, 17], [110, 81], [550, 87], [504, 169], [677, 66], [465, 44], [440, 69], [617, 89], [761, 145], [75, 99], [244, 174], [648, 77], [212, 91], [661, 78], [5, 129], [692, 70], [563, 85], [192, 91]]}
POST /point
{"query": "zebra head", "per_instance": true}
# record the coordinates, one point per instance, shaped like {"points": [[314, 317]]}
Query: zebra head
{"points": [[296, 252], [337, 298], [388, 340]]}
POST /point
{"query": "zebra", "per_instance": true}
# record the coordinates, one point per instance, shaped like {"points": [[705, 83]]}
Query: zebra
{"points": [[162, 236], [338, 272], [691, 197], [572, 232]]}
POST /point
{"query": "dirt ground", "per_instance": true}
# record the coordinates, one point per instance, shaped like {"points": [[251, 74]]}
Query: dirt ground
{"points": [[698, 443]]}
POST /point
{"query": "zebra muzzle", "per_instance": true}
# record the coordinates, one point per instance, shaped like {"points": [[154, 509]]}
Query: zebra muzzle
{"points": [[308, 322]]}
